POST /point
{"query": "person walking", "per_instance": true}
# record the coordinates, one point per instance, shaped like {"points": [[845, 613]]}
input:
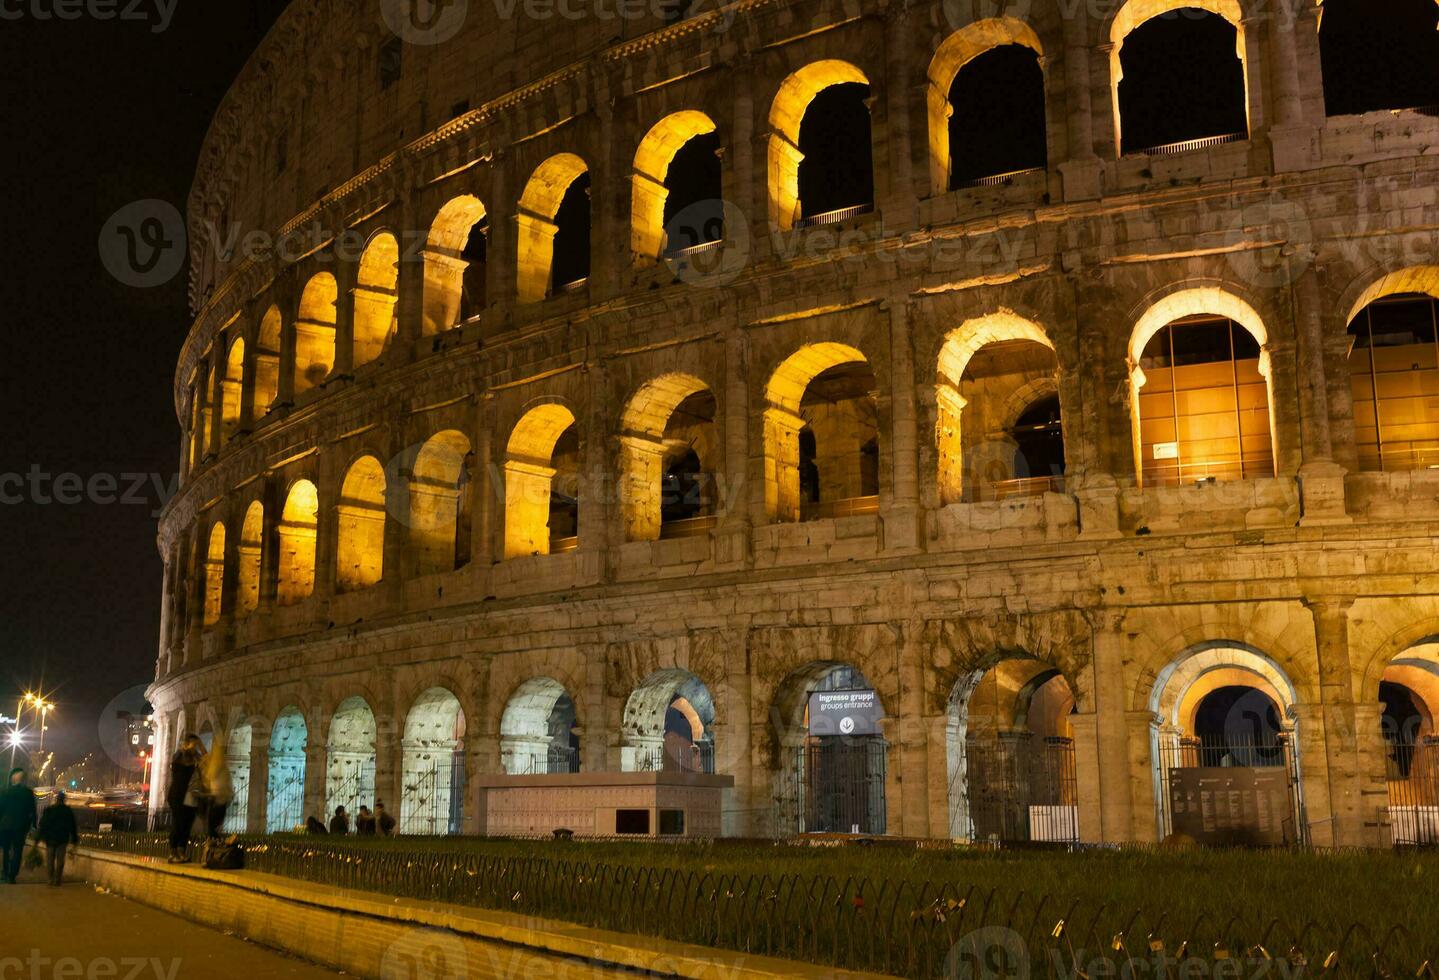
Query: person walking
{"points": [[17, 817], [57, 832], [340, 822], [183, 766]]}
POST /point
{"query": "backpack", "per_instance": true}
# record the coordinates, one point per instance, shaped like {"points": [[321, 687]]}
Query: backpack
{"points": [[224, 855]]}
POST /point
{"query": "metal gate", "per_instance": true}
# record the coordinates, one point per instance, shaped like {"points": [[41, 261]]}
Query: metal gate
{"points": [[1228, 790], [286, 809], [839, 786], [237, 817], [1413, 778], [1022, 787]]}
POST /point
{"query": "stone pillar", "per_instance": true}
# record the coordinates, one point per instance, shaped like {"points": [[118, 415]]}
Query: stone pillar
{"points": [[214, 415], [1290, 139], [1372, 778], [397, 562], [641, 476], [1321, 480], [1255, 74], [194, 594], [486, 494], [913, 740], [899, 209], [272, 504], [1117, 759], [499, 250], [316, 774], [902, 518], [1339, 753], [778, 452], [593, 717], [257, 812], [344, 366], [286, 380], [442, 282], [1082, 171], [732, 537], [1099, 442]]}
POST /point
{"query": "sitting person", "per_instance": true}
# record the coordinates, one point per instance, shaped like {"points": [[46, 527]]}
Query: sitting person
{"points": [[313, 825]]}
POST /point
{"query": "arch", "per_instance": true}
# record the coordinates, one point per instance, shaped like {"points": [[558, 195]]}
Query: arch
{"points": [[299, 521], [454, 264], [786, 114], [360, 526], [649, 183], [433, 768], [315, 332], [267, 363], [1218, 450], [1393, 370], [1404, 752], [237, 760], [952, 55], [375, 294], [231, 386], [537, 729], [285, 791], [667, 724], [537, 224], [350, 757], [1421, 279], [440, 503], [530, 477], [247, 560], [215, 574], [1355, 80], [835, 470], [1133, 14], [647, 444]]}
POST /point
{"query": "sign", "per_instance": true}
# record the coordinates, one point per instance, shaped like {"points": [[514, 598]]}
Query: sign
{"points": [[844, 713], [1166, 450], [1232, 806]]}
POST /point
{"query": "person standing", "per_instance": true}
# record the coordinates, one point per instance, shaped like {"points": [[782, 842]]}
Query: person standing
{"points": [[183, 765], [340, 822], [219, 786], [57, 832], [17, 817], [365, 822], [384, 821]]}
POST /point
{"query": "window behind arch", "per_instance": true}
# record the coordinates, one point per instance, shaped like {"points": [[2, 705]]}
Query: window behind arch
{"points": [[997, 123], [1183, 81], [572, 237], [1394, 381], [837, 172], [694, 210], [1379, 54]]}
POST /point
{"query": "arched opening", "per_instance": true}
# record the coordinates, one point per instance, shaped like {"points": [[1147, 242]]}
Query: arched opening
{"points": [[1200, 383], [247, 555], [538, 730], [196, 413], [1379, 54], [668, 449], [1394, 379], [998, 429], [267, 363], [315, 332], [231, 387], [209, 410], [821, 435], [375, 295], [360, 526], [1409, 691], [455, 256], [820, 152], [214, 574], [433, 781], [285, 794], [553, 224], [830, 753], [440, 504], [1179, 75], [1010, 754], [668, 725], [237, 760], [298, 523], [676, 199], [542, 483], [986, 104], [1226, 759], [350, 758]]}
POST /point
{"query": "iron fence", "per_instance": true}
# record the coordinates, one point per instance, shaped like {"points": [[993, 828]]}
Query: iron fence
{"points": [[1413, 778], [1022, 788], [898, 927]]}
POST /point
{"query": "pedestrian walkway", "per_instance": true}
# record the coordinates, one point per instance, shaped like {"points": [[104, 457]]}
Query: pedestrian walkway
{"points": [[76, 931]]}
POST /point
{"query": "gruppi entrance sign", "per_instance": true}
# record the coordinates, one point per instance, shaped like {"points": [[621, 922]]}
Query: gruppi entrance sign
{"points": [[844, 713]]}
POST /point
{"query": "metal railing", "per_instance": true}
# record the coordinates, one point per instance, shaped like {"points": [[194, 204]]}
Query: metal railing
{"points": [[848, 507], [1185, 146], [899, 927], [997, 180], [833, 217], [688, 527]]}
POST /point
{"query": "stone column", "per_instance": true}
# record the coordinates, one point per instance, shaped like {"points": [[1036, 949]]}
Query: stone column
{"points": [[344, 366], [1340, 749], [903, 521], [1098, 425], [899, 209], [641, 476], [286, 385], [499, 250], [593, 716], [1082, 171], [732, 537], [396, 562], [486, 495], [913, 740], [1321, 480], [215, 414], [272, 504], [257, 815], [316, 774], [195, 595]]}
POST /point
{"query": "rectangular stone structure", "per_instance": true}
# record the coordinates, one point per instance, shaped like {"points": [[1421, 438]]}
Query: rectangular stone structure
{"points": [[605, 804]]}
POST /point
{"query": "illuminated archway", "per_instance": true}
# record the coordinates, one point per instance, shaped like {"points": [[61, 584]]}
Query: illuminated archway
{"points": [[537, 729], [237, 761], [285, 792], [247, 554], [668, 724], [433, 771], [786, 115], [214, 574], [1136, 14], [375, 296], [530, 481], [649, 184], [455, 260], [538, 225], [1409, 728], [820, 434], [267, 363], [231, 387], [1226, 430], [954, 54], [668, 421], [298, 523], [360, 539], [315, 332], [350, 758], [440, 504]]}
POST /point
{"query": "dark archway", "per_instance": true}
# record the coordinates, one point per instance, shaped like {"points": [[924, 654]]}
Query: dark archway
{"points": [[997, 124], [572, 236], [1379, 54], [694, 207], [1182, 81], [837, 172]]}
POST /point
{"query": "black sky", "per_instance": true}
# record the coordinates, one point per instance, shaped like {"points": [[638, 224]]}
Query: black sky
{"points": [[97, 114]]}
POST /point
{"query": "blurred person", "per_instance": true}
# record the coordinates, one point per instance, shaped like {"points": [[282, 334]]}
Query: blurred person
{"points": [[340, 822], [219, 788], [184, 779], [57, 831], [384, 821], [314, 826], [17, 818], [365, 822]]}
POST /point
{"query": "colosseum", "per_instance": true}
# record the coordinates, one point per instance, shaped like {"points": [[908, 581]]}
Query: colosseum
{"points": [[586, 388]]}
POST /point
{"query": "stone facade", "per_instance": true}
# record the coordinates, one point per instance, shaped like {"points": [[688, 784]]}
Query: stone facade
{"points": [[421, 581]]}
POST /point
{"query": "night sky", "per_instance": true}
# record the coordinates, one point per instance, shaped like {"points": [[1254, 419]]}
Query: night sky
{"points": [[98, 114]]}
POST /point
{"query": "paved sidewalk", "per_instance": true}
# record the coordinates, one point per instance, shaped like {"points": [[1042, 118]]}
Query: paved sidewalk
{"points": [[76, 932]]}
